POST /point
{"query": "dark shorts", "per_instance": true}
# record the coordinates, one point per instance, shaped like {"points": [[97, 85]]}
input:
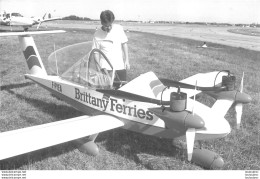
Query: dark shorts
{"points": [[121, 75]]}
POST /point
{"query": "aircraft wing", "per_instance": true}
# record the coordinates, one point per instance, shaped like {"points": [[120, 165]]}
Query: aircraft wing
{"points": [[221, 106], [29, 139], [30, 33], [203, 80]]}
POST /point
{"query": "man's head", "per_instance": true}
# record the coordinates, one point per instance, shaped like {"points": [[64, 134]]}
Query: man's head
{"points": [[107, 18]]}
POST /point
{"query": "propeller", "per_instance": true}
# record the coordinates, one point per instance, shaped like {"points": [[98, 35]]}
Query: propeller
{"points": [[40, 21], [190, 137], [39, 24], [239, 107], [10, 24], [194, 98], [190, 133]]}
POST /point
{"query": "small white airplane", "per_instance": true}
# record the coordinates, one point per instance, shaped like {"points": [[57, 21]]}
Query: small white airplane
{"points": [[16, 19], [148, 105]]}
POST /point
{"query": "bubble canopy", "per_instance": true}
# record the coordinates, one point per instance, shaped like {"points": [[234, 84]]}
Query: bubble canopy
{"points": [[80, 64]]}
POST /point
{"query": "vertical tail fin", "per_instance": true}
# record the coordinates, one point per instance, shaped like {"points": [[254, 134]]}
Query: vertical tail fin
{"points": [[30, 51], [32, 56], [43, 17]]}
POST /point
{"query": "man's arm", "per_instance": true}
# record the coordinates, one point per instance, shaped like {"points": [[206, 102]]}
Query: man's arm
{"points": [[125, 53]]}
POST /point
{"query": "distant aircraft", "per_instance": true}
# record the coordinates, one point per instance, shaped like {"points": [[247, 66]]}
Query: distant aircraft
{"points": [[16, 19]]}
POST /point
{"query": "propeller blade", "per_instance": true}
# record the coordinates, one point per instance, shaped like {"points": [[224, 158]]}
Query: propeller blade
{"points": [[190, 137], [239, 109], [39, 25], [239, 106], [194, 98], [11, 27]]}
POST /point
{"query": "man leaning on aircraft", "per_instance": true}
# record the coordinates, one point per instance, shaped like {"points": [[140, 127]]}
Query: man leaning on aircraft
{"points": [[112, 41]]}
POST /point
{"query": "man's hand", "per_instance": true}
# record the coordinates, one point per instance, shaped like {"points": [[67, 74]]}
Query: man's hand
{"points": [[127, 65]]}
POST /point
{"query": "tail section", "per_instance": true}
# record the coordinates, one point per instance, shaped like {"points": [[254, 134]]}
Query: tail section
{"points": [[47, 17], [43, 17], [30, 51], [32, 56]]}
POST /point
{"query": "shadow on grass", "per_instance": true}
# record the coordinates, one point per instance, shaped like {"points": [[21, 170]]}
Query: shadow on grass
{"points": [[27, 160], [9, 30], [13, 86], [137, 147], [58, 111]]}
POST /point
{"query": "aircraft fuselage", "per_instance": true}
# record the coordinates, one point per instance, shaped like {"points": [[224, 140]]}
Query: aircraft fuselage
{"points": [[15, 19], [136, 115]]}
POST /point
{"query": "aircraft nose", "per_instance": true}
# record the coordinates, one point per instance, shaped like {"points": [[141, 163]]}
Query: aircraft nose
{"points": [[194, 121], [243, 98]]}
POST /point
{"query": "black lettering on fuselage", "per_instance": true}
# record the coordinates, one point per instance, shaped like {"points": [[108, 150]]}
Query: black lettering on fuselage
{"points": [[115, 105], [56, 86]]}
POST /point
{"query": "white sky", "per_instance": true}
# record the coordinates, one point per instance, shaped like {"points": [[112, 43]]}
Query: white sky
{"points": [[226, 11]]}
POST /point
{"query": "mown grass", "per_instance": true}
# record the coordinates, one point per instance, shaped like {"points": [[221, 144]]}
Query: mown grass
{"points": [[25, 104], [247, 31]]}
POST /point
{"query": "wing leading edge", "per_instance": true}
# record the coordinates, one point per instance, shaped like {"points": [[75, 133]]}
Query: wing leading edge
{"points": [[29, 139]]}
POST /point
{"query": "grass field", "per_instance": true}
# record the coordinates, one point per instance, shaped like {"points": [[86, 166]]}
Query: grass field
{"points": [[247, 31], [25, 104]]}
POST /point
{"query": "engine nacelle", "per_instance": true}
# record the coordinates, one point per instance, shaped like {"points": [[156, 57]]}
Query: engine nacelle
{"points": [[182, 120], [229, 82], [230, 93], [234, 95], [178, 101], [207, 159]]}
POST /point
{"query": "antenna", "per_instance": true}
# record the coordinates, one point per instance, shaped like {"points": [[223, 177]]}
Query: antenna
{"points": [[57, 69], [194, 98]]}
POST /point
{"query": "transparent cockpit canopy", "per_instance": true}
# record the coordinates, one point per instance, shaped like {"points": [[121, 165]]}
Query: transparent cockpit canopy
{"points": [[62, 59], [80, 64]]}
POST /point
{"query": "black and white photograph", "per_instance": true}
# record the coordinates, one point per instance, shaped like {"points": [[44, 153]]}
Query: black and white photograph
{"points": [[122, 87]]}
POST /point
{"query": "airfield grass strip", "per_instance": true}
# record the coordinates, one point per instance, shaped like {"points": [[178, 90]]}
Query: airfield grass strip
{"points": [[25, 104]]}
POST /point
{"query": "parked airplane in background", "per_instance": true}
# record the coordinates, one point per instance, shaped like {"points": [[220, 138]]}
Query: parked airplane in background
{"points": [[147, 104], [16, 19]]}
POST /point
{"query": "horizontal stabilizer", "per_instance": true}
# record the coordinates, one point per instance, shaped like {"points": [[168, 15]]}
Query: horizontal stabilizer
{"points": [[29, 139]]}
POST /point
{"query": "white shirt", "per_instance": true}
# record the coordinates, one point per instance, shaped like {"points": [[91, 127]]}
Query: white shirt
{"points": [[110, 43]]}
